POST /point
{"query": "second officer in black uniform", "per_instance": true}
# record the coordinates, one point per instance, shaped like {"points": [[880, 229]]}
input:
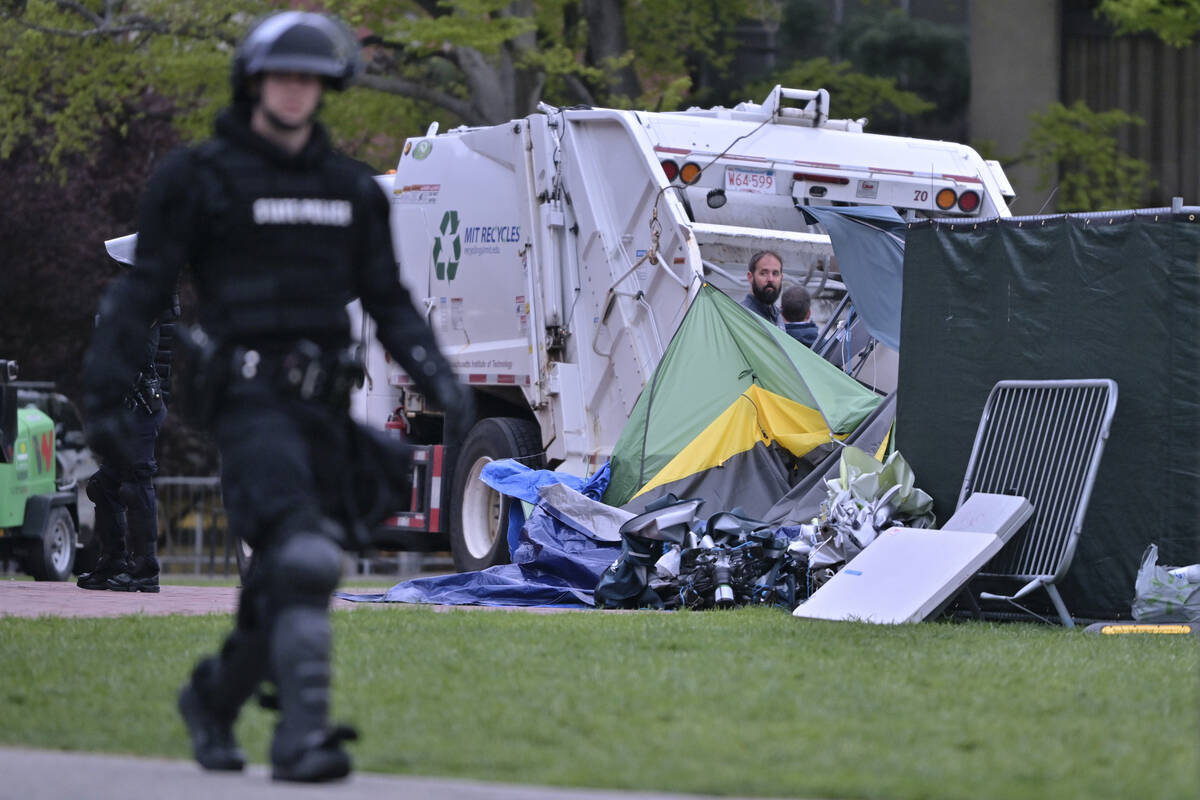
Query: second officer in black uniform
{"points": [[280, 231], [126, 523]]}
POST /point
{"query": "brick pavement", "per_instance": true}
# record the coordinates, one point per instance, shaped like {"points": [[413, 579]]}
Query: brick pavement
{"points": [[24, 598]]}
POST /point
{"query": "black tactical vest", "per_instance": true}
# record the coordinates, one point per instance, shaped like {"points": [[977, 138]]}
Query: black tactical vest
{"points": [[277, 242]]}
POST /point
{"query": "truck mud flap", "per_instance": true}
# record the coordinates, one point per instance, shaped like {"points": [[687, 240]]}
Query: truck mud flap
{"points": [[420, 528]]}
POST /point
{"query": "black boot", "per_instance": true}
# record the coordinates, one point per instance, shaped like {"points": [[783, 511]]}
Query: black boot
{"points": [[320, 758], [209, 726], [135, 578], [108, 528], [211, 701], [305, 748], [141, 515], [108, 566]]}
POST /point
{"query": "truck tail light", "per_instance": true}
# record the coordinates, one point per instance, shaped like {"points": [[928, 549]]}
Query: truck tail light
{"points": [[945, 199], [689, 173], [969, 201], [670, 169]]}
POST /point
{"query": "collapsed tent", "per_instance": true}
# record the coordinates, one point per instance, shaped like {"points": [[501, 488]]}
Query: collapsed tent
{"points": [[730, 394]]}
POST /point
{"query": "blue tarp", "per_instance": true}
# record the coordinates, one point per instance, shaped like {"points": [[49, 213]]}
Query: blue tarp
{"points": [[511, 478], [554, 564]]}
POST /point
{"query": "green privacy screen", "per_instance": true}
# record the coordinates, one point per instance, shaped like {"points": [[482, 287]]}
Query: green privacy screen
{"points": [[1078, 296]]}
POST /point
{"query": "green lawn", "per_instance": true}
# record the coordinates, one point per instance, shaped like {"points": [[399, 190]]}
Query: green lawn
{"points": [[746, 702]]}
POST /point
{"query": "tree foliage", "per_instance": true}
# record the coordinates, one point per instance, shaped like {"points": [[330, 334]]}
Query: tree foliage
{"points": [[924, 58], [1076, 149], [488, 61], [852, 94], [1176, 22], [77, 69], [53, 266]]}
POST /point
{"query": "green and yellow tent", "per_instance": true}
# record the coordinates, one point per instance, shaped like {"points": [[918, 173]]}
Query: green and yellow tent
{"points": [[729, 388]]}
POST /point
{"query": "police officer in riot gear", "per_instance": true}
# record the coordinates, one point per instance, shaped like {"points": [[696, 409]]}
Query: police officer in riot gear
{"points": [[126, 524], [279, 231]]}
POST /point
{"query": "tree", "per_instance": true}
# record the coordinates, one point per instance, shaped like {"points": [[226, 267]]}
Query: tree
{"points": [[1076, 150], [922, 57], [54, 267], [908, 76], [852, 94], [77, 68], [488, 61], [1176, 22], [74, 71]]}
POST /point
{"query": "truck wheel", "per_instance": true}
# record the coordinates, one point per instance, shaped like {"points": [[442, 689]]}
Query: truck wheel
{"points": [[478, 513], [51, 558]]}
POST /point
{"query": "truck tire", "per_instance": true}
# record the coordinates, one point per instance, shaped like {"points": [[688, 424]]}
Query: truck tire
{"points": [[52, 556], [478, 513]]}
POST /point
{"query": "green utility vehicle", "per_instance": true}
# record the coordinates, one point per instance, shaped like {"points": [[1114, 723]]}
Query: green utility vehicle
{"points": [[38, 517]]}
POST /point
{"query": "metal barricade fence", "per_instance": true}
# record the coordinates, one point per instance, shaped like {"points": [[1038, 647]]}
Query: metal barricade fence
{"points": [[193, 531], [1041, 440], [194, 537]]}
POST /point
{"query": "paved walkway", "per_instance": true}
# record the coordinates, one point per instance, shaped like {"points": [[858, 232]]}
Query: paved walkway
{"points": [[25, 598], [54, 775], [20, 598]]}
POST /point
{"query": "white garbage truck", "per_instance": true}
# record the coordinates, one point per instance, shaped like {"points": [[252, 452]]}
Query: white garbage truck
{"points": [[555, 255]]}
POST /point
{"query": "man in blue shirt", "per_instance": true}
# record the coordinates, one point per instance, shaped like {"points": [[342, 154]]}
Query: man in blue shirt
{"points": [[766, 280], [796, 307]]}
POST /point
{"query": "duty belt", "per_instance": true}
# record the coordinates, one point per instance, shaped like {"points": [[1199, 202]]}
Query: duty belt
{"points": [[306, 371], [146, 392]]}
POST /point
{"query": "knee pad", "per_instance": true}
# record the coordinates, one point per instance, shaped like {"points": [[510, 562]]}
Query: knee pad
{"points": [[307, 565]]}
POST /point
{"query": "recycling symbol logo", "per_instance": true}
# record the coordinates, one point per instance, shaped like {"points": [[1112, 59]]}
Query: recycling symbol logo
{"points": [[447, 247]]}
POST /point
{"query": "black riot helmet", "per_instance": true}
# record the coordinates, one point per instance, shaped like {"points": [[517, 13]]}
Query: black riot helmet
{"points": [[296, 41]]}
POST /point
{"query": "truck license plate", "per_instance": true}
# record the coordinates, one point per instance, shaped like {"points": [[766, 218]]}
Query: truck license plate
{"points": [[740, 179]]}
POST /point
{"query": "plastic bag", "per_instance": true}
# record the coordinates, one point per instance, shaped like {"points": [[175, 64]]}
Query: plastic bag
{"points": [[1162, 594], [868, 480]]}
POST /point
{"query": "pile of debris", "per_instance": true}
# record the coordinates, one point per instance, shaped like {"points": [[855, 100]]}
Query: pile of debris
{"points": [[672, 558]]}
